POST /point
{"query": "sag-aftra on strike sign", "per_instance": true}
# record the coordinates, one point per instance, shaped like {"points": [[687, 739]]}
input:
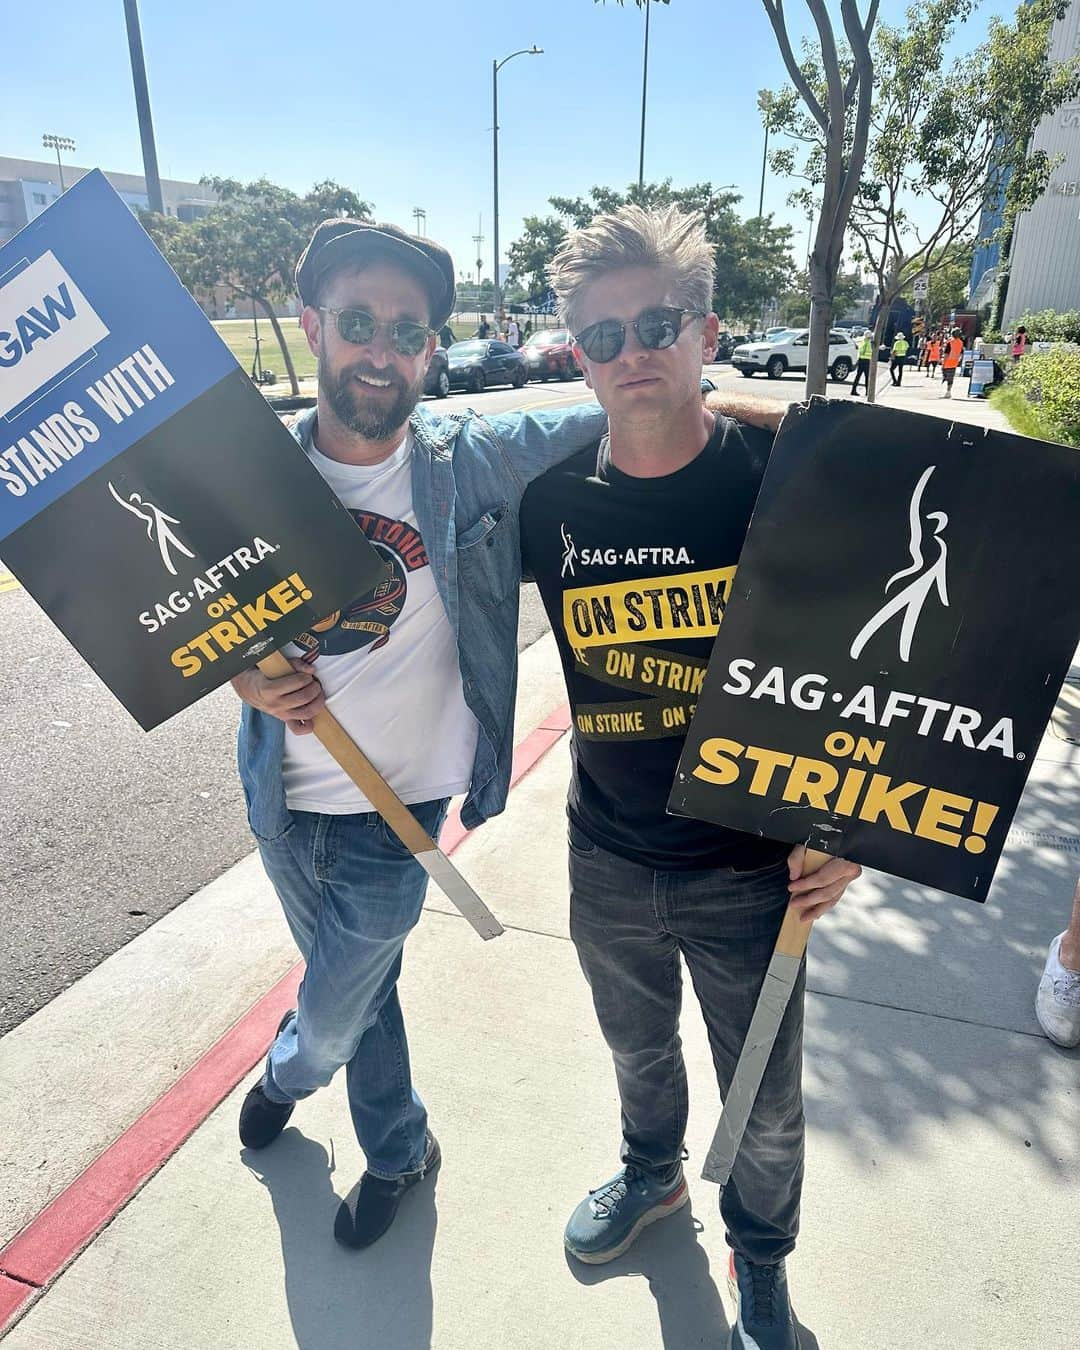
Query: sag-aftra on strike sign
{"points": [[150, 500], [904, 612]]}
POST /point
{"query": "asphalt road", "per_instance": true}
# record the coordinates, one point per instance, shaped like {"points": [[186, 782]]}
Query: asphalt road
{"points": [[106, 827]]}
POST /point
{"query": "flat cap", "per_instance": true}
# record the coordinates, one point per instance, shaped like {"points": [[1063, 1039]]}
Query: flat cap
{"points": [[339, 242]]}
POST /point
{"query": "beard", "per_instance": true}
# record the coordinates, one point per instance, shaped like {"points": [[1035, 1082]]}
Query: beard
{"points": [[376, 417]]}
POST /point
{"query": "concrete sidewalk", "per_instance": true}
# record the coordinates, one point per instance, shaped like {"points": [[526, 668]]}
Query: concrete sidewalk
{"points": [[943, 1129]]}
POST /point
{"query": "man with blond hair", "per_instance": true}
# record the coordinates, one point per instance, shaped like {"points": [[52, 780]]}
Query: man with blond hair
{"points": [[657, 511]]}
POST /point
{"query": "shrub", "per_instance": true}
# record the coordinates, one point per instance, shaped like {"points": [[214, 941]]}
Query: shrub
{"points": [[1050, 384], [1050, 325]]}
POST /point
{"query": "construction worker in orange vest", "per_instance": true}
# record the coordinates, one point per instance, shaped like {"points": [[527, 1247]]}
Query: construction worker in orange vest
{"points": [[951, 358]]}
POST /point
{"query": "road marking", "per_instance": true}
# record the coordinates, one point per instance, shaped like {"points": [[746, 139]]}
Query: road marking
{"points": [[8, 583]]}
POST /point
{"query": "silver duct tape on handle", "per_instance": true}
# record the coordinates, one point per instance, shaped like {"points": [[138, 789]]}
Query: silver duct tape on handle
{"points": [[772, 1002], [458, 891]]}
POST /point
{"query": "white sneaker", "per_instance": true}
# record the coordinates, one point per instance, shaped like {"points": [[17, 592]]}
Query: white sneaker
{"points": [[1057, 1003]]}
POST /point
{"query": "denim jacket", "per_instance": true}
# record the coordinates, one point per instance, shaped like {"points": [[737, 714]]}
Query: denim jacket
{"points": [[468, 477]]}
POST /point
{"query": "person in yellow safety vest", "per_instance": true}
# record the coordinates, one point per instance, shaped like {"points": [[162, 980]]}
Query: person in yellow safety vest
{"points": [[899, 356], [862, 370]]}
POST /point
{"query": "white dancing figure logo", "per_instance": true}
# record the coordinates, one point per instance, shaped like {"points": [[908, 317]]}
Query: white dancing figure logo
{"points": [[570, 551], [927, 575], [157, 524]]}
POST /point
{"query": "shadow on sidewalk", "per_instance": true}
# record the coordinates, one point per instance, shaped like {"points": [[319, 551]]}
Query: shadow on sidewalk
{"points": [[340, 1299], [963, 977], [676, 1266]]}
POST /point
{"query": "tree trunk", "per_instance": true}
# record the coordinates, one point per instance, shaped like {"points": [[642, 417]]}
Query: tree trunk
{"points": [[286, 355], [821, 308], [879, 333]]}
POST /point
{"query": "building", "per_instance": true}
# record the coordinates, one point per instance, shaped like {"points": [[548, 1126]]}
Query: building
{"points": [[28, 186], [1044, 261]]}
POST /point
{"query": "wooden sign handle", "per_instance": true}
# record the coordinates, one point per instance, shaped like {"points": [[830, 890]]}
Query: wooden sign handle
{"points": [[795, 930], [359, 768]]}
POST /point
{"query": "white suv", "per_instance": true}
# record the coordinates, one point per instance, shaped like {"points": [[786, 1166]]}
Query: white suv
{"points": [[787, 351]]}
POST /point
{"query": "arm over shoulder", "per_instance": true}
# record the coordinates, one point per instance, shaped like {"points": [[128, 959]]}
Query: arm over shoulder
{"points": [[532, 442]]}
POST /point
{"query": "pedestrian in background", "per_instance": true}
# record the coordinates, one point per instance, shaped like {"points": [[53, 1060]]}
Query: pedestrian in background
{"points": [[933, 354], [527, 334], [513, 333], [446, 336], [898, 358], [483, 328], [862, 370], [951, 356], [1019, 343], [1057, 1003]]}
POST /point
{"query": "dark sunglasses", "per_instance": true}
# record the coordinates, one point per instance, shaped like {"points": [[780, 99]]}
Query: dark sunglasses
{"points": [[359, 327], [656, 329]]}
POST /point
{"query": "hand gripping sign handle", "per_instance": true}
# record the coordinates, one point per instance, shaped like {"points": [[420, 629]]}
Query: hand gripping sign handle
{"points": [[775, 994], [394, 811]]}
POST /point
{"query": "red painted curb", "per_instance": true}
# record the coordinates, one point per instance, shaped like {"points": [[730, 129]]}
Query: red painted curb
{"points": [[51, 1240]]}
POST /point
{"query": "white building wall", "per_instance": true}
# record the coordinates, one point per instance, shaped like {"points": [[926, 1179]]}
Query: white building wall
{"points": [[1045, 259]]}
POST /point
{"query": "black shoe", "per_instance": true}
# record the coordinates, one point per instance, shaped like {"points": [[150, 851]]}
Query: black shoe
{"points": [[369, 1209], [764, 1320], [261, 1120]]}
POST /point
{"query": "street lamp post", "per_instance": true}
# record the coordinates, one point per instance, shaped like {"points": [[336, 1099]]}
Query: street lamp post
{"points": [[142, 107], [58, 143], [496, 66], [644, 87]]}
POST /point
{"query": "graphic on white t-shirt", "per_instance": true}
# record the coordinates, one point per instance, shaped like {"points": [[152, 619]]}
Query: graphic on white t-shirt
{"points": [[366, 621]]}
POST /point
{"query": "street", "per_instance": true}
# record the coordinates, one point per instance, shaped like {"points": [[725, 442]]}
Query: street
{"points": [[107, 827]]}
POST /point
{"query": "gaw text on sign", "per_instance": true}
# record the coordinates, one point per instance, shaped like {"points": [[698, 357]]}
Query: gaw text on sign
{"points": [[46, 327]]}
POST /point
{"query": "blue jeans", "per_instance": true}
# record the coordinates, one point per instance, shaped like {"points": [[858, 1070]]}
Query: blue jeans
{"points": [[630, 926], [351, 892]]}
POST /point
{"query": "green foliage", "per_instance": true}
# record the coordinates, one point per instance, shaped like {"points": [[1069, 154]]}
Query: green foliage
{"points": [[1050, 325], [1049, 383], [753, 257], [530, 256], [794, 304], [253, 237], [941, 128]]}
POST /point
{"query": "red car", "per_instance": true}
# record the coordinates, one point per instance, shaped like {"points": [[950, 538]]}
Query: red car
{"points": [[549, 355]]}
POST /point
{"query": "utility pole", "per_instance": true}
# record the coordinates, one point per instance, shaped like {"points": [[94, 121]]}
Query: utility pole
{"points": [[142, 106], [420, 216], [478, 240], [644, 88], [496, 66]]}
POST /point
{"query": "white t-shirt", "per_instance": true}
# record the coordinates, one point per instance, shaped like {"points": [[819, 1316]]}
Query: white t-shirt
{"points": [[388, 662]]}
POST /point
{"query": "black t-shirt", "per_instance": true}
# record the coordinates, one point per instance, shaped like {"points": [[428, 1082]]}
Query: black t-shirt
{"points": [[634, 574]]}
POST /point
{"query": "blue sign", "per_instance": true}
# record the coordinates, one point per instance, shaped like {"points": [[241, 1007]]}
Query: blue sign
{"points": [[150, 500], [99, 344]]}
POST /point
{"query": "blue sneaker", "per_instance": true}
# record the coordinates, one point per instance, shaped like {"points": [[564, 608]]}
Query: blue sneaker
{"points": [[764, 1320], [609, 1219]]}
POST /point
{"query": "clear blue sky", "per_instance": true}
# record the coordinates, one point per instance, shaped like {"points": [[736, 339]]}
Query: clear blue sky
{"points": [[394, 99]]}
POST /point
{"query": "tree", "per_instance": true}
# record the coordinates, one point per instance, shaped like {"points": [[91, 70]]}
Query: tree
{"points": [[944, 134], [531, 255], [836, 88], [753, 257], [250, 241], [794, 304]]}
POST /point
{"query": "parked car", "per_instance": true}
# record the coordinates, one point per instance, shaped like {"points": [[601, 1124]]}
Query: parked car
{"points": [[549, 355], [437, 380], [726, 344], [789, 351], [479, 362]]}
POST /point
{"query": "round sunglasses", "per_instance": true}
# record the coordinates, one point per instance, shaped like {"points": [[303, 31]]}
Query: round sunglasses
{"points": [[656, 328], [359, 327]]}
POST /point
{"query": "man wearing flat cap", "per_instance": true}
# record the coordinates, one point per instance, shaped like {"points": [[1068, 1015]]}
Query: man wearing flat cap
{"points": [[421, 673]]}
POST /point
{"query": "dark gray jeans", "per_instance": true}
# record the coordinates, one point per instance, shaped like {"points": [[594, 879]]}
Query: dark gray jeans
{"points": [[630, 924]]}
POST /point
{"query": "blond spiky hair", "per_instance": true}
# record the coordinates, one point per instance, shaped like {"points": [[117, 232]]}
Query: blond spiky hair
{"points": [[665, 237]]}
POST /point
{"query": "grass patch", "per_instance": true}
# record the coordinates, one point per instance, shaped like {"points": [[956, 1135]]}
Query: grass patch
{"points": [[1022, 417]]}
